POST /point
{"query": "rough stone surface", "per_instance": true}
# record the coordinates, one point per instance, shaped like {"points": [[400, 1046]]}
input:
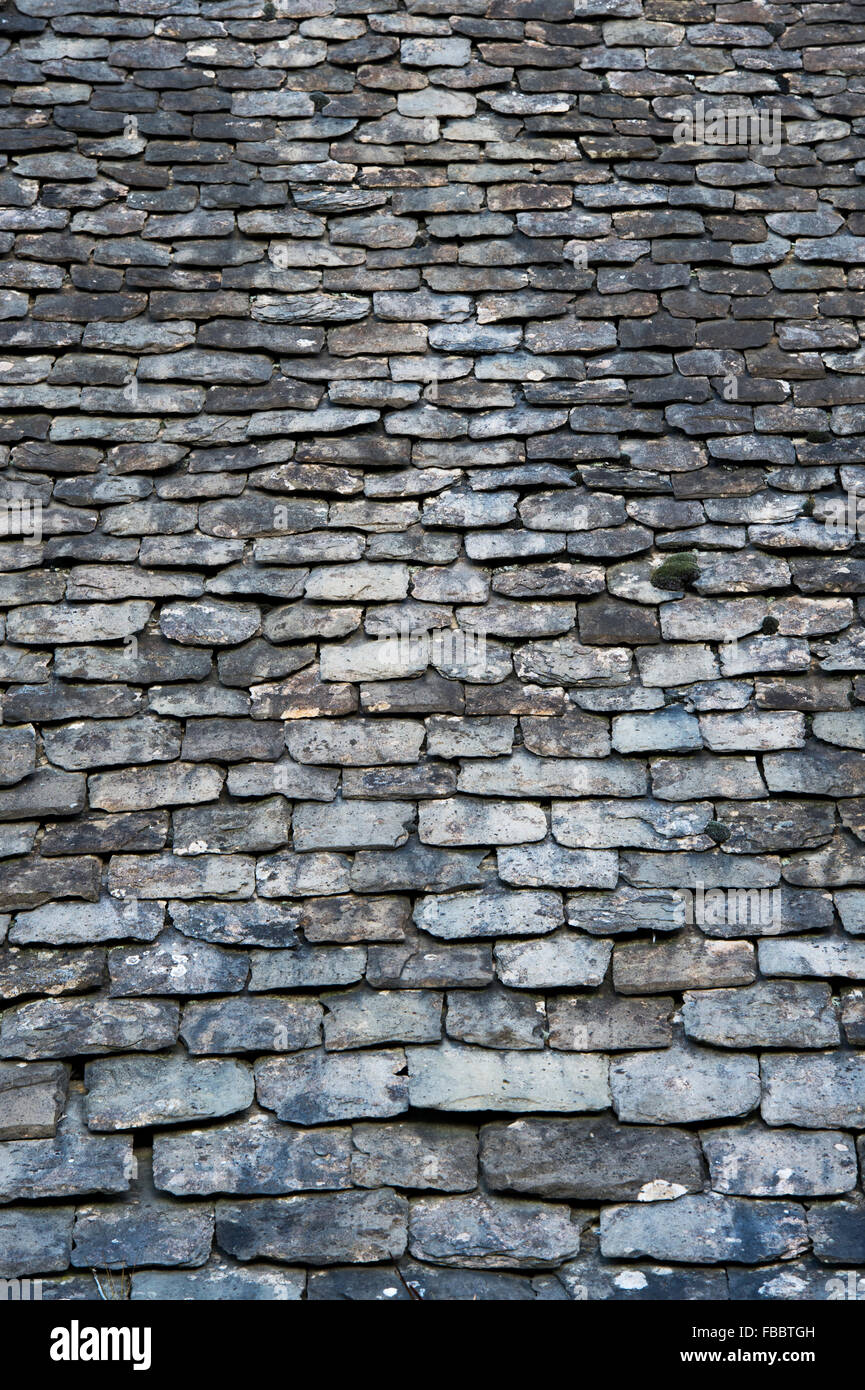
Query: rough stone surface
{"points": [[361, 1227], [314, 1087], [706, 1228], [127, 1092], [32, 1097], [432, 649], [70, 1163], [756, 1162], [683, 1085], [254, 1156], [590, 1160], [481, 1232]]}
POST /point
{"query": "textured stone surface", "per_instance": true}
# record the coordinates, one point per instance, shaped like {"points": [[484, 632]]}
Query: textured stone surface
{"points": [[414, 1155], [35, 1239], [432, 648], [480, 1232], [756, 1162], [255, 1156], [32, 1097], [70, 1163], [315, 1087], [452, 1077], [684, 1084], [64, 1027], [125, 1092], [593, 1160], [706, 1228], [147, 1232], [768, 1014], [824, 1088], [361, 1227], [218, 1280]]}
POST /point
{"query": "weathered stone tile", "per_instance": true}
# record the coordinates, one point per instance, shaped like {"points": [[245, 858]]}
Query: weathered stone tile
{"points": [[255, 1156], [73, 923], [607, 1023], [31, 881], [770, 1013], [817, 769], [705, 1227], [145, 788], [489, 912], [824, 957], [49, 972], [780, 824], [627, 910], [794, 1281], [480, 1232], [297, 875], [18, 754], [355, 824], [95, 834], [218, 1280], [496, 1017], [319, 1087], [248, 827], [564, 959], [47, 624], [813, 1091], [452, 1077], [347, 918], [359, 1227], [240, 1024], [837, 1231], [91, 743], [44, 793], [590, 1160], [752, 1161], [635, 823], [150, 1232], [355, 742], [526, 774], [71, 1163], [421, 962], [151, 876], [461, 820], [305, 965], [549, 864], [35, 1240], [175, 964], [66, 1027], [708, 776], [708, 1085], [132, 1092], [412, 1154], [684, 962], [250, 923], [367, 1018], [670, 730], [416, 866], [590, 1277], [32, 1098]]}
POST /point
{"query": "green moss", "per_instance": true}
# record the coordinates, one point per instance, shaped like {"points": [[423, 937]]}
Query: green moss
{"points": [[679, 571], [717, 832], [808, 507]]}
